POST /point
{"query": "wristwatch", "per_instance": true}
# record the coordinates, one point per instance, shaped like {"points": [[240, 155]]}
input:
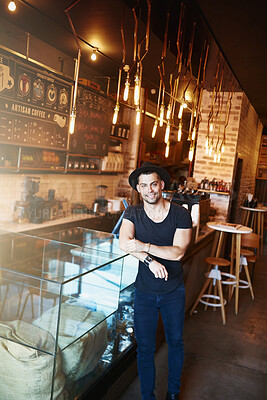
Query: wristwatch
{"points": [[148, 260]]}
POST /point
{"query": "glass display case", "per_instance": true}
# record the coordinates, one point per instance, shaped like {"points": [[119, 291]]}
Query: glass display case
{"points": [[66, 311]]}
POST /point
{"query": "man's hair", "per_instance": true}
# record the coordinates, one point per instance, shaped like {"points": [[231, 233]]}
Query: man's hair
{"points": [[148, 173]]}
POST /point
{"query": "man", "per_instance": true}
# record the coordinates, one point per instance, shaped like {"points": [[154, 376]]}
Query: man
{"points": [[158, 233]]}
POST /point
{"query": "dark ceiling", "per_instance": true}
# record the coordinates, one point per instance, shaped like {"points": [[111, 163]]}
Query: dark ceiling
{"points": [[238, 27]]}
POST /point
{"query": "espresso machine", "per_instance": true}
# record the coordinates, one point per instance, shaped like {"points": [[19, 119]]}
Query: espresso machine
{"points": [[33, 208]]}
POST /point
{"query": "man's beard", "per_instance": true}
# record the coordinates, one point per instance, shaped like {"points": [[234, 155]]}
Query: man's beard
{"points": [[149, 200]]}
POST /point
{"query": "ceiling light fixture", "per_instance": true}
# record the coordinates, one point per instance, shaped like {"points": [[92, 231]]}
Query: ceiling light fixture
{"points": [[154, 130], [181, 109], [76, 75], [126, 88], [191, 153], [12, 6], [138, 116], [167, 133], [93, 55], [179, 136], [161, 115], [116, 112], [167, 150], [126, 68]]}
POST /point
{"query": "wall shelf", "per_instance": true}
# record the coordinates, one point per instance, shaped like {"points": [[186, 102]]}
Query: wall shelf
{"points": [[213, 192]]}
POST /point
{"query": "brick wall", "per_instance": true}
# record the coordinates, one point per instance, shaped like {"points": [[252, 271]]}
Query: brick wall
{"points": [[242, 139], [248, 144]]}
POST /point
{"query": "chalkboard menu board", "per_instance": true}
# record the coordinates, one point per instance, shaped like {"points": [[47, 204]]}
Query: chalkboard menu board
{"points": [[93, 124], [34, 105]]}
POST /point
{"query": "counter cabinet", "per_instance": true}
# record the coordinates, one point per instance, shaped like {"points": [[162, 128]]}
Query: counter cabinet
{"points": [[66, 313], [96, 263]]}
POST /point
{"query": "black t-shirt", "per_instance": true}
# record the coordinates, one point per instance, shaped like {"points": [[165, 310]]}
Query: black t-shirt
{"points": [[160, 234]]}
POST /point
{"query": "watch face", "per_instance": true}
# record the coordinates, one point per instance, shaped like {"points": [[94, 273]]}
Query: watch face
{"points": [[148, 260]]}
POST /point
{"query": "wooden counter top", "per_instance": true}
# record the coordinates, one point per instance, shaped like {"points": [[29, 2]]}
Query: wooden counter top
{"points": [[11, 226]]}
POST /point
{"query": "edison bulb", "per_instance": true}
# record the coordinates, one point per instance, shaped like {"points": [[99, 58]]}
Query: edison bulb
{"points": [[154, 130], [12, 6]]}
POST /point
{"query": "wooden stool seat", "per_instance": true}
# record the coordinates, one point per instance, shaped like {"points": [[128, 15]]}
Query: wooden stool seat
{"points": [[221, 262], [252, 259], [246, 252]]}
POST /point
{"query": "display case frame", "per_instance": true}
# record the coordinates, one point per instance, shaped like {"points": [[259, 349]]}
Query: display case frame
{"points": [[95, 254]]}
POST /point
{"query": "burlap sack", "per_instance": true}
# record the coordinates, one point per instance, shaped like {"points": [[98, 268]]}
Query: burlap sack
{"points": [[26, 373], [82, 356]]}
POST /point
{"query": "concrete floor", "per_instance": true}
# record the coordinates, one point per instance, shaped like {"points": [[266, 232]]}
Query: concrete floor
{"points": [[221, 362]]}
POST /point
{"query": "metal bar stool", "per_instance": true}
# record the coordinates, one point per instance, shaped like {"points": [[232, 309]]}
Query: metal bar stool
{"points": [[256, 222], [236, 232], [214, 279], [251, 242], [244, 284]]}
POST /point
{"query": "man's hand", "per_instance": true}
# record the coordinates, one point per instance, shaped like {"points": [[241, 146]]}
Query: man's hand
{"points": [[135, 246], [158, 270]]}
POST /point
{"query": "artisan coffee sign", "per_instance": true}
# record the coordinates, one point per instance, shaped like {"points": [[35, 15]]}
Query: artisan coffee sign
{"points": [[34, 105]]}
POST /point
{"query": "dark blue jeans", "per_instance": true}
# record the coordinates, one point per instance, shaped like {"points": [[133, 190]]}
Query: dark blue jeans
{"points": [[146, 312]]}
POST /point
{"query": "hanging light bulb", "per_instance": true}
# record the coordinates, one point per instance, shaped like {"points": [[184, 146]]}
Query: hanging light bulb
{"points": [[167, 133], [115, 115], [167, 150], [210, 151], [161, 115], [215, 156], [136, 89], [179, 137], [12, 6], [181, 109], [194, 134], [168, 114], [211, 127], [126, 88], [93, 55], [219, 157], [223, 146], [72, 122], [138, 116], [154, 130], [191, 153]]}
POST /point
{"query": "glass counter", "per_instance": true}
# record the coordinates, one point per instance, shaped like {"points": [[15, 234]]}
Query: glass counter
{"points": [[66, 311]]}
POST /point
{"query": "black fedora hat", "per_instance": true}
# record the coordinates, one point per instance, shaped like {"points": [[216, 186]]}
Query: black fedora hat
{"points": [[145, 168]]}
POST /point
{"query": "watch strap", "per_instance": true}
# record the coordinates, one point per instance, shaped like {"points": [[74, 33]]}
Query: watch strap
{"points": [[148, 260]]}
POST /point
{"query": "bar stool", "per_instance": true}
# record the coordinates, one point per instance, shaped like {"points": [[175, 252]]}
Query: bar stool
{"points": [[254, 217], [244, 253], [252, 242], [236, 232], [214, 278]]}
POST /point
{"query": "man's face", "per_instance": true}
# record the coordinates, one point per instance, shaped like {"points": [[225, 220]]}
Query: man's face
{"points": [[150, 187]]}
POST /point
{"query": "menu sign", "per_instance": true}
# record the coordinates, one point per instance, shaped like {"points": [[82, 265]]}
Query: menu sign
{"points": [[93, 122], [34, 105]]}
